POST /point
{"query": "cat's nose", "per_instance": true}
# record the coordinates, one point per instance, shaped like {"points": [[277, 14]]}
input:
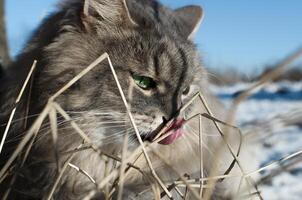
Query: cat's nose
{"points": [[169, 107], [164, 120], [174, 107], [172, 115]]}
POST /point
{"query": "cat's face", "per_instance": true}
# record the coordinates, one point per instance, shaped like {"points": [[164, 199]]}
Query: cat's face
{"points": [[158, 68], [159, 74]]}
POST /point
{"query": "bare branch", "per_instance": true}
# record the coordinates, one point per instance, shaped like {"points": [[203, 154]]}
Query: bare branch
{"points": [[4, 51]]}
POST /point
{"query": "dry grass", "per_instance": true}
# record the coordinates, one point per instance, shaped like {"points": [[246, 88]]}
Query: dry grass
{"points": [[202, 187]]}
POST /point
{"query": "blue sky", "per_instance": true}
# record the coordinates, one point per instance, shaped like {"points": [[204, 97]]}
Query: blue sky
{"points": [[241, 34]]}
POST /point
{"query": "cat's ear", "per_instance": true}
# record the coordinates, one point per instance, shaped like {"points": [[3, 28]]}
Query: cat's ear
{"points": [[191, 18], [114, 12]]}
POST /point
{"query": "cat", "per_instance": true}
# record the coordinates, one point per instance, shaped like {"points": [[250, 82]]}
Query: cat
{"points": [[152, 51]]}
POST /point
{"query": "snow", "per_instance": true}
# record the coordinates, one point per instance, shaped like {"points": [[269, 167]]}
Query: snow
{"points": [[284, 186], [273, 117]]}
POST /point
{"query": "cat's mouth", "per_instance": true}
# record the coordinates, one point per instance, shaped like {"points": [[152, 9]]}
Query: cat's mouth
{"points": [[167, 133]]}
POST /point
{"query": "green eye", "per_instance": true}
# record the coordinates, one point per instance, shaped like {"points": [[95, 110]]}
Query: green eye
{"points": [[144, 82]]}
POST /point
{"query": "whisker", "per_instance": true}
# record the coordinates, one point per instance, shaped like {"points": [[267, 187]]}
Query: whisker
{"points": [[23, 133], [19, 119]]}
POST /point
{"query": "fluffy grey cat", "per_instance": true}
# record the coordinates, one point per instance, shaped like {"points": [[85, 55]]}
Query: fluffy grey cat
{"points": [[159, 69]]}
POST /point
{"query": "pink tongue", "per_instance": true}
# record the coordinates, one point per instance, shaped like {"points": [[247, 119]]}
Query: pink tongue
{"points": [[175, 134]]}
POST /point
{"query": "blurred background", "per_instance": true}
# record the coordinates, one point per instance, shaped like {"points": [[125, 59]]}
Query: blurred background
{"points": [[239, 35], [240, 41]]}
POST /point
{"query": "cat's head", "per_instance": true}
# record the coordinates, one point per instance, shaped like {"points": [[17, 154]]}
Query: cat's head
{"points": [[151, 50]]}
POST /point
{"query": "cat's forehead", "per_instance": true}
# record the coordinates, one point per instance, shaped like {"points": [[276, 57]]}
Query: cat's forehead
{"points": [[152, 53], [167, 57]]}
